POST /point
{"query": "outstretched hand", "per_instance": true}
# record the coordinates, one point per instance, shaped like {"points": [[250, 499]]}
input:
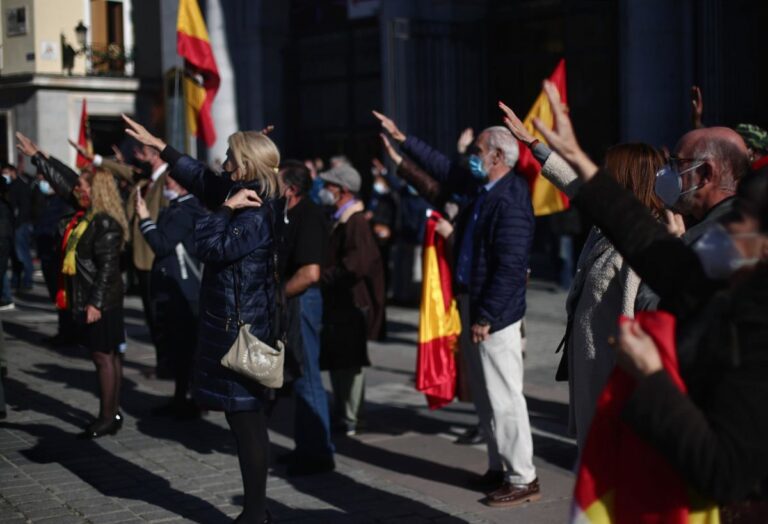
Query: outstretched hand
{"points": [[140, 133], [390, 127], [515, 125], [25, 145], [267, 130], [561, 138], [81, 150], [465, 139], [697, 107], [391, 153]]}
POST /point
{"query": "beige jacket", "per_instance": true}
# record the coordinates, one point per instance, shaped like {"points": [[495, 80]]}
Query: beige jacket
{"points": [[143, 257]]}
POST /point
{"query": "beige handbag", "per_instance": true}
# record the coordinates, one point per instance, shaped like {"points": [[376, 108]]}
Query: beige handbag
{"points": [[256, 360], [251, 357]]}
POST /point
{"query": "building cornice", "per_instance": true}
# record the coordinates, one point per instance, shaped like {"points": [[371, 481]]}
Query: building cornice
{"points": [[70, 83]]}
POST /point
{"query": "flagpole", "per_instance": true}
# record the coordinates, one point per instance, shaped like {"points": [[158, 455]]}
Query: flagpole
{"points": [[176, 105]]}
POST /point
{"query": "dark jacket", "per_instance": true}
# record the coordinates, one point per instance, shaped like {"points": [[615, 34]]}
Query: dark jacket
{"points": [[353, 292], [235, 247], [502, 239], [97, 281], [20, 196], [716, 436], [176, 271]]}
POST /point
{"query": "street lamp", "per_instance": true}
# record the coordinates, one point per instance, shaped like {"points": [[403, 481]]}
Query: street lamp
{"points": [[81, 32]]}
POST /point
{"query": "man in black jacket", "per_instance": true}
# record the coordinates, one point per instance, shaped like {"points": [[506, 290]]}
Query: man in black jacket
{"points": [[20, 197]]}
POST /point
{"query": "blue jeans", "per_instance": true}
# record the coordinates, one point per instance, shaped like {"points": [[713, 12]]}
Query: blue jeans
{"points": [[312, 425], [23, 238]]}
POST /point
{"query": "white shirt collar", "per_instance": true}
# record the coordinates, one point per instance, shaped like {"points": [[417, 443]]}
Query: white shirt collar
{"points": [[159, 171]]}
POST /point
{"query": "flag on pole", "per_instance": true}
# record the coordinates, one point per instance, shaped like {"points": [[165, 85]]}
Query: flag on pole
{"points": [[439, 324], [546, 198], [201, 80], [84, 137], [622, 479]]}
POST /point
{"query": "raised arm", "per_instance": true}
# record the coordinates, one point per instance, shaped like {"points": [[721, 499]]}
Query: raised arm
{"points": [[194, 175], [436, 164], [553, 167]]}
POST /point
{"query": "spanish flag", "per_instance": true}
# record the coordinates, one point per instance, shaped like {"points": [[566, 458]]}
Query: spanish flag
{"points": [[439, 324], [84, 137], [621, 479], [201, 79], [546, 198]]}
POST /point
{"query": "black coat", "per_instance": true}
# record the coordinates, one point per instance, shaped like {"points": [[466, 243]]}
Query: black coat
{"points": [[235, 247], [716, 437], [97, 281], [175, 272]]}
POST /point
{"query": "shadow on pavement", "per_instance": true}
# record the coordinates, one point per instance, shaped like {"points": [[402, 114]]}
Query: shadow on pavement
{"points": [[112, 476], [198, 435]]}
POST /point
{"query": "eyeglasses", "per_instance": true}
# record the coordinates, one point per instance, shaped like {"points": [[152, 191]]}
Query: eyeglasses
{"points": [[677, 163]]}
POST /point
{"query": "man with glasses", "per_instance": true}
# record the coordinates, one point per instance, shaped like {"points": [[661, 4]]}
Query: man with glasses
{"points": [[699, 182]]}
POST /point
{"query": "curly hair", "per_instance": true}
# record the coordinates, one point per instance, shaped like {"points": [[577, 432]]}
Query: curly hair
{"points": [[105, 198]]}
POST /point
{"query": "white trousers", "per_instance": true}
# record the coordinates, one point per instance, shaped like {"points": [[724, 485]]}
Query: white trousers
{"points": [[495, 369]]}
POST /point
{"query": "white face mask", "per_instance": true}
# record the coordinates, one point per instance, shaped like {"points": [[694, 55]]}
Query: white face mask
{"points": [[718, 254], [327, 197], [170, 194]]}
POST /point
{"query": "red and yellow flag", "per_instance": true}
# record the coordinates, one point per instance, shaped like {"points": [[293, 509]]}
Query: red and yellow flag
{"points": [[439, 324], [201, 79], [84, 137], [622, 479], [546, 198]]}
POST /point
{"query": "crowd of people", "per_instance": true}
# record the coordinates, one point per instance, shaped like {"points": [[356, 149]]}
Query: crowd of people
{"points": [[293, 250]]}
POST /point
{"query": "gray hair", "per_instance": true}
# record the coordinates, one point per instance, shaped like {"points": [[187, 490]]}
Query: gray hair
{"points": [[733, 164], [501, 138]]}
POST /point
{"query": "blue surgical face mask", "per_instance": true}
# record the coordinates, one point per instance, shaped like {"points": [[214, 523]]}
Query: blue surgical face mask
{"points": [[669, 183], [45, 187], [7, 178], [380, 188], [476, 167], [718, 254]]}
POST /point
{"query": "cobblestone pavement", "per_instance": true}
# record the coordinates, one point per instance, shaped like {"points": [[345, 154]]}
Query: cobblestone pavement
{"points": [[404, 468]]}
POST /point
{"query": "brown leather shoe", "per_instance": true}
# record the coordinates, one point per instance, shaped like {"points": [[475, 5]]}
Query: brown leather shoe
{"points": [[510, 495]]}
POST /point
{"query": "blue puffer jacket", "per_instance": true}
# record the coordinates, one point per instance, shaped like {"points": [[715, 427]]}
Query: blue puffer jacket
{"points": [[503, 236], [229, 244]]}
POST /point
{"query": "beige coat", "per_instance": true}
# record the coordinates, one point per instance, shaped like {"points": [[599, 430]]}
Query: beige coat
{"points": [[143, 257]]}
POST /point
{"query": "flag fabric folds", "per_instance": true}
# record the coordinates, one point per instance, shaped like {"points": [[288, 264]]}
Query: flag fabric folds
{"points": [[439, 324], [546, 198], [84, 137], [622, 479], [201, 80]]}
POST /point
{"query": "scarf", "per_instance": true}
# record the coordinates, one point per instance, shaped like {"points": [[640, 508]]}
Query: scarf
{"points": [[72, 234]]}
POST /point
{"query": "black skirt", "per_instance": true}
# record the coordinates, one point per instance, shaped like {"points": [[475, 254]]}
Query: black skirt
{"points": [[107, 335]]}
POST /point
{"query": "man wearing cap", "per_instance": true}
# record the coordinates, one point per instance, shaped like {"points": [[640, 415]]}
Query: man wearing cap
{"points": [[756, 139], [353, 295]]}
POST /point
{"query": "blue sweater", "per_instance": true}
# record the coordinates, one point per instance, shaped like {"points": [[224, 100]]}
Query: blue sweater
{"points": [[502, 237]]}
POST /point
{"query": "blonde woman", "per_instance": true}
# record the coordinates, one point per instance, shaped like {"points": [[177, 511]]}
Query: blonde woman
{"points": [[92, 288], [237, 245]]}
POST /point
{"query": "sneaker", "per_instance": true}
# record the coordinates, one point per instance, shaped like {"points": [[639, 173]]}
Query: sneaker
{"points": [[511, 495], [7, 306]]}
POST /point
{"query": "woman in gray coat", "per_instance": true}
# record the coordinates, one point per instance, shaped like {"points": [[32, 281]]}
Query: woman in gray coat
{"points": [[604, 286]]}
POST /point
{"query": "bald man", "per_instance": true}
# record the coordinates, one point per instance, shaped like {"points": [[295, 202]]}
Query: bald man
{"points": [[711, 186]]}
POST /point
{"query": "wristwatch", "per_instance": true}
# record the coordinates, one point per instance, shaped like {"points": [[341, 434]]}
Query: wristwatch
{"points": [[483, 322]]}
